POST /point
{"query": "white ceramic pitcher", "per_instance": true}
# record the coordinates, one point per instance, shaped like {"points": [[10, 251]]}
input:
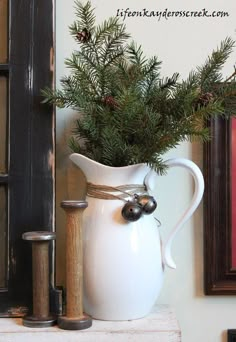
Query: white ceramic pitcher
{"points": [[124, 261]]}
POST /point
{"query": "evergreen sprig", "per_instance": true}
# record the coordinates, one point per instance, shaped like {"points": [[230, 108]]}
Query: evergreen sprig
{"points": [[128, 113]]}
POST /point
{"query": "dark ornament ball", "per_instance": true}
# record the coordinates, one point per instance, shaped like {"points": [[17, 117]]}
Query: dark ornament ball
{"points": [[83, 36], [148, 203], [132, 211]]}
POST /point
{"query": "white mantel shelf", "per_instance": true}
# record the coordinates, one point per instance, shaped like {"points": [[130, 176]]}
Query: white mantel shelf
{"points": [[160, 326]]}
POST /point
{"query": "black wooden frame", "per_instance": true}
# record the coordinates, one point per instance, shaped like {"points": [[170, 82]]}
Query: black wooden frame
{"points": [[231, 335], [30, 177], [220, 277]]}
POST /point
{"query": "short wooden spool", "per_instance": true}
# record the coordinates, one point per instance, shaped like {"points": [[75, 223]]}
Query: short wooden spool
{"points": [[40, 268]]}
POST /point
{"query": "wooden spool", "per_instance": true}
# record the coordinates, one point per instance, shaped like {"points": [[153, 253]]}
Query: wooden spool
{"points": [[40, 268], [74, 319]]}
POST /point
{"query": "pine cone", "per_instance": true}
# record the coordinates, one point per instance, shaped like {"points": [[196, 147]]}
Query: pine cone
{"points": [[205, 99], [83, 36], [110, 101]]}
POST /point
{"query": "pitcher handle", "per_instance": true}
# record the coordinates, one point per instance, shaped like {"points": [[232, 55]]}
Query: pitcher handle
{"points": [[196, 199]]}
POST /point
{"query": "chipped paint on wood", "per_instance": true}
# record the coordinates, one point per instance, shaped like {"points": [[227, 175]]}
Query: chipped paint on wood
{"points": [[12, 261], [52, 60], [17, 311], [51, 161]]}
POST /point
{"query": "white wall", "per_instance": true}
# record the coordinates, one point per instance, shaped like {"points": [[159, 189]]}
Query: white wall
{"points": [[181, 44]]}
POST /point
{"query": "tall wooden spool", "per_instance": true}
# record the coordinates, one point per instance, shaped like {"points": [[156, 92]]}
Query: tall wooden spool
{"points": [[74, 319]]}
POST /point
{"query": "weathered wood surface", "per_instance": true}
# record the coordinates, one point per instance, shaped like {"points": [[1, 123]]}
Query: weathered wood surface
{"points": [[74, 264], [29, 178], [160, 326], [74, 319]]}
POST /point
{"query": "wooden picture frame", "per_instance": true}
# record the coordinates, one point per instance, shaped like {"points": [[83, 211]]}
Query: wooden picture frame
{"points": [[231, 335], [219, 276]]}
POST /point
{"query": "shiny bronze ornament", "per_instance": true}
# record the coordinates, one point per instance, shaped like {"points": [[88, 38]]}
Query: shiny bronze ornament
{"points": [[148, 203], [132, 211]]}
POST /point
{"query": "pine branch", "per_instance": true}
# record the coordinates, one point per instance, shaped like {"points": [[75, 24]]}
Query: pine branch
{"points": [[233, 75], [209, 73], [86, 75], [57, 98], [86, 17], [136, 54], [128, 113], [108, 30], [169, 82], [87, 57], [113, 57], [152, 66], [112, 45]]}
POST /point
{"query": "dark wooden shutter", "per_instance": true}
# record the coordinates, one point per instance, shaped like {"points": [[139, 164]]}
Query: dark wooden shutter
{"points": [[29, 178]]}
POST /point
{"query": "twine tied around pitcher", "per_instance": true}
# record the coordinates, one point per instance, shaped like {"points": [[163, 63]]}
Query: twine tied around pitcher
{"points": [[137, 200], [121, 192]]}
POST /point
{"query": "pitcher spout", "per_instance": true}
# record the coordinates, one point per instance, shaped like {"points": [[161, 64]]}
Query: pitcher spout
{"points": [[88, 166], [109, 175]]}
